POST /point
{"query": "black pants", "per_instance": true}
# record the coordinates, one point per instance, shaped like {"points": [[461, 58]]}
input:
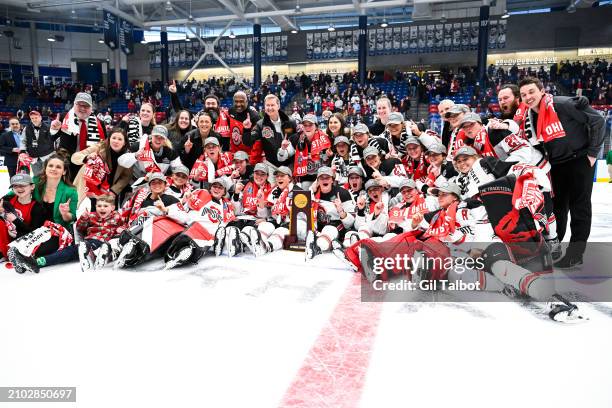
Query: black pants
{"points": [[12, 170], [572, 187]]}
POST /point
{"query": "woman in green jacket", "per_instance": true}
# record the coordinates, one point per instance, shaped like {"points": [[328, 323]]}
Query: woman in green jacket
{"points": [[59, 200]]}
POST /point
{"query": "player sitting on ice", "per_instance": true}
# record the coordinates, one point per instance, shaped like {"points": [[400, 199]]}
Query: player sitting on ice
{"points": [[334, 213], [271, 234], [250, 203], [475, 171], [206, 212], [212, 163], [155, 218], [409, 202]]}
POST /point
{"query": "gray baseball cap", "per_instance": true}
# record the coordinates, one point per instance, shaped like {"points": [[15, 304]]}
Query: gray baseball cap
{"points": [[457, 108], [221, 180], [407, 183], [310, 118], [180, 169], [341, 139], [260, 167], [83, 97], [447, 187], [156, 176], [470, 118], [325, 171], [360, 128], [211, 140], [355, 170], [284, 170], [412, 140], [160, 131], [465, 151], [240, 155], [372, 183], [395, 118], [438, 148], [370, 151], [21, 179]]}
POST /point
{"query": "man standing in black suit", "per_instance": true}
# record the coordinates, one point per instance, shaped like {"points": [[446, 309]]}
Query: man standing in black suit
{"points": [[10, 142]]}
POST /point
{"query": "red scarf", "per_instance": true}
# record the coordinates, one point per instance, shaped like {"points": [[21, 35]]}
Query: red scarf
{"points": [[280, 207], [223, 167], [64, 237], [418, 171], [146, 157], [130, 209], [184, 189], [320, 142], [481, 143], [401, 214], [23, 163], [249, 196], [549, 125], [443, 223], [222, 126], [95, 176]]}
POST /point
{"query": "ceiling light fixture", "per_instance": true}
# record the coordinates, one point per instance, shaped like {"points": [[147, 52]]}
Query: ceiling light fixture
{"points": [[294, 31], [384, 23], [505, 15], [51, 38], [232, 35], [571, 8], [331, 27], [100, 40], [443, 19], [168, 6]]}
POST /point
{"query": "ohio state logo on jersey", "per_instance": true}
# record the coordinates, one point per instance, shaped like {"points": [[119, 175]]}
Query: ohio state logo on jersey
{"points": [[236, 136], [214, 215], [267, 132]]}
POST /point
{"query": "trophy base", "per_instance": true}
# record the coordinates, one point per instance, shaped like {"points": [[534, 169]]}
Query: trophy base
{"points": [[291, 243]]}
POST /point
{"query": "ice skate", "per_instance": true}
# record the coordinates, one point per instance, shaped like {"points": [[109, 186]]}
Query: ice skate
{"points": [[232, 242], [312, 249], [183, 256], [219, 241], [367, 263], [104, 255], [563, 311], [85, 257], [22, 263], [339, 253], [127, 251]]}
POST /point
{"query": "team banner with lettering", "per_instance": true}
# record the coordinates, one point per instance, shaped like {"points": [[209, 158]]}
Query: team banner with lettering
{"points": [[110, 30], [126, 37]]}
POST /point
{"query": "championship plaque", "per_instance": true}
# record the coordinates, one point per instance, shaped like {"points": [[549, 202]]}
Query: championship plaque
{"points": [[301, 203]]}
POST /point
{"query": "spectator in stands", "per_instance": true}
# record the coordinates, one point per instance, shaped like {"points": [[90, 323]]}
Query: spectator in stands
{"points": [[572, 134], [178, 129], [106, 175], [37, 141], [10, 146]]}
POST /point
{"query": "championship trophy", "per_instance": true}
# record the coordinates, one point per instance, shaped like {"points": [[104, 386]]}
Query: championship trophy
{"points": [[301, 203]]}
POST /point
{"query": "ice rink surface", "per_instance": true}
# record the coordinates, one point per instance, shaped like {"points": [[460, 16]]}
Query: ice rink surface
{"points": [[278, 332]]}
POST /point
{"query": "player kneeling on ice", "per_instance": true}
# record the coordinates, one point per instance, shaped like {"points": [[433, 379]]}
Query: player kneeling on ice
{"points": [[269, 235], [207, 212], [155, 218], [250, 203], [333, 209]]}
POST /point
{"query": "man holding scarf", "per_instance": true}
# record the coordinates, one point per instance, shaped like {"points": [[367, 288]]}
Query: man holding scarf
{"points": [[572, 133]]}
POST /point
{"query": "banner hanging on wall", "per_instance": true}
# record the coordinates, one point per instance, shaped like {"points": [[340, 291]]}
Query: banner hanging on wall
{"points": [[126, 37], [110, 30]]}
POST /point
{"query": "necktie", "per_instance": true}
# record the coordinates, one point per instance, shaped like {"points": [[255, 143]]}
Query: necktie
{"points": [[83, 136]]}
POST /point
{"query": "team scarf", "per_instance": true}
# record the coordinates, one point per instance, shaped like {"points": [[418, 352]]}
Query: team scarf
{"points": [[433, 172], [414, 169], [405, 211], [95, 176], [24, 161], [481, 143], [443, 222], [281, 207], [134, 132], [249, 196], [521, 117], [187, 187], [355, 157], [147, 158], [57, 231], [319, 143], [131, 208], [204, 170], [456, 141], [24, 217], [71, 125], [549, 126]]}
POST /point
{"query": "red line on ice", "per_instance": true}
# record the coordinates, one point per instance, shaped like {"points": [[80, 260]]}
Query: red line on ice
{"points": [[334, 372]]}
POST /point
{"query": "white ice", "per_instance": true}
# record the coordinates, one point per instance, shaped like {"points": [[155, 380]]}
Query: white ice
{"points": [[234, 333]]}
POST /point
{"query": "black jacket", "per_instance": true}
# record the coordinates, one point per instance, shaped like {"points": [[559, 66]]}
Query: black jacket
{"points": [[42, 145], [197, 149], [271, 139], [584, 130], [7, 144]]}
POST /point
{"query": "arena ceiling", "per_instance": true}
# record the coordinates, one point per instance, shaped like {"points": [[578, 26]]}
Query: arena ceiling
{"points": [[283, 14]]}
